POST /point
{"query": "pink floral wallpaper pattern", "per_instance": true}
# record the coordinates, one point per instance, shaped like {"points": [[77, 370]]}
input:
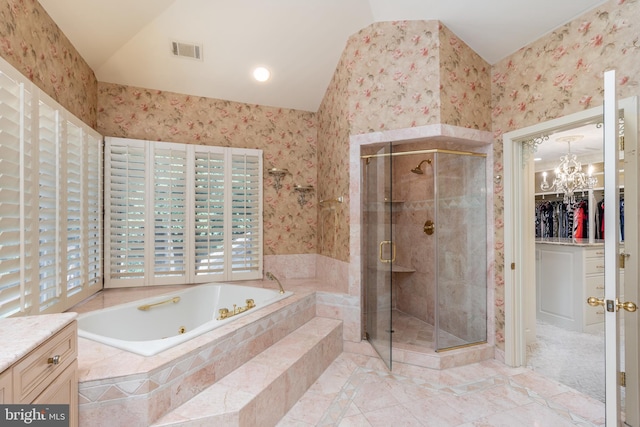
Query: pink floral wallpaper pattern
{"points": [[287, 137], [33, 44]]}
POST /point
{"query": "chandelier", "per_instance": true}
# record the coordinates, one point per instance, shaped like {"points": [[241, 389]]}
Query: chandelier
{"points": [[569, 177]]}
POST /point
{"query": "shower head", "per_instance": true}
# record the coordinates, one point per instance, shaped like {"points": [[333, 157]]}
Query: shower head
{"points": [[418, 168]]}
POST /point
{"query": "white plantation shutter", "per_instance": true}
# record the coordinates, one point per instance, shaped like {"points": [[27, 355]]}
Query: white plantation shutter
{"points": [[169, 211], [11, 213], [209, 178], [246, 215], [93, 207], [44, 264], [201, 222], [75, 214], [48, 225], [125, 185]]}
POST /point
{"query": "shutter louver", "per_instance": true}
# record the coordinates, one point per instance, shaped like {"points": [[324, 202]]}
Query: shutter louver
{"points": [[169, 211], [209, 213]]}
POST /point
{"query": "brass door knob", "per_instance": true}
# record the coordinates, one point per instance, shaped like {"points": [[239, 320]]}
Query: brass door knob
{"points": [[594, 302], [629, 306]]}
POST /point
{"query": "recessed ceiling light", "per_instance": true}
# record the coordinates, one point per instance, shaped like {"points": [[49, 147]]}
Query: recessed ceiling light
{"points": [[261, 74]]}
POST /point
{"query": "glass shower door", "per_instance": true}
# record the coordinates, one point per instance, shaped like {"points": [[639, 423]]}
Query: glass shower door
{"points": [[461, 266], [378, 250]]}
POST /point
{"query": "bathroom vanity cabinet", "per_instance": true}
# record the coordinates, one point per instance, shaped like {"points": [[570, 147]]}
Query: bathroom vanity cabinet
{"points": [[567, 273], [38, 364]]}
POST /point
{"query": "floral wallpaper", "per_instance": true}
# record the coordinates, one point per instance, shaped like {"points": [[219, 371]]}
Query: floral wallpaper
{"points": [[560, 74], [394, 75], [32, 43], [288, 138], [465, 84]]}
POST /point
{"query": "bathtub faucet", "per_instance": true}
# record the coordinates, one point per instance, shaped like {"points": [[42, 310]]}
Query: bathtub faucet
{"points": [[272, 277]]}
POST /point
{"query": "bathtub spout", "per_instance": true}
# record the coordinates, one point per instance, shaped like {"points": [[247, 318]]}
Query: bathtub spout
{"points": [[270, 276]]}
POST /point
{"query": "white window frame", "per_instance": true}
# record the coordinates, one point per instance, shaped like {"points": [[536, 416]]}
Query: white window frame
{"points": [[132, 261]]}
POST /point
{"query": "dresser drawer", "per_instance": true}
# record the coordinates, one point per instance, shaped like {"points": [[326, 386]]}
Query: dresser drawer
{"points": [[594, 315], [36, 371], [594, 266], [594, 286]]}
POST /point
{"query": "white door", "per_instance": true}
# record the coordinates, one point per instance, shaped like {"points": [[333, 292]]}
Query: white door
{"points": [[611, 301], [518, 250]]}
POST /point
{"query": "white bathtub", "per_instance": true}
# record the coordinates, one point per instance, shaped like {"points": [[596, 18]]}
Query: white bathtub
{"points": [[148, 332]]}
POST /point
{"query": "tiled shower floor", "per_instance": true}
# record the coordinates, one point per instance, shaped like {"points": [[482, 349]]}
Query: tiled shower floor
{"points": [[409, 330]]}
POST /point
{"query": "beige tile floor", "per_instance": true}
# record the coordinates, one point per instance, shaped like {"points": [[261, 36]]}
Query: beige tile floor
{"points": [[358, 390]]}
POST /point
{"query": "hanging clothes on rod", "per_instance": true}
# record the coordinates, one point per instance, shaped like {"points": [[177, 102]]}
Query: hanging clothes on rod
{"points": [[557, 219], [600, 220]]}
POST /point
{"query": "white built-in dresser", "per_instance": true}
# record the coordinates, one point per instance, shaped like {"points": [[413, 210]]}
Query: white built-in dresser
{"points": [[38, 361]]}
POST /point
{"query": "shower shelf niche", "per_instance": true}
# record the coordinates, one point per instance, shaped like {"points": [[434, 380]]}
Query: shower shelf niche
{"points": [[401, 269]]}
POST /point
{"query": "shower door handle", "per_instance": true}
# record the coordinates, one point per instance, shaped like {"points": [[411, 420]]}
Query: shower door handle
{"points": [[393, 251]]}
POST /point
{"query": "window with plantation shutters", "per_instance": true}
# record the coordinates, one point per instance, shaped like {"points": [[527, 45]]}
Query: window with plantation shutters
{"points": [[193, 212], [50, 202]]}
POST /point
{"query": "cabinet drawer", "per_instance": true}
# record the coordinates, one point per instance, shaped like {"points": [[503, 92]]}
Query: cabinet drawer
{"points": [[594, 253], [594, 266], [35, 372], [594, 286], [593, 315]]}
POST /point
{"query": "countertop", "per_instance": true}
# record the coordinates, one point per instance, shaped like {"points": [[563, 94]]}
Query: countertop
{"points": [[20, 335], [570, 242]]}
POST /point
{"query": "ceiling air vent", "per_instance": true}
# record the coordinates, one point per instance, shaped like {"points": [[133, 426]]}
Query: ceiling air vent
{"points": [[186, 50]]}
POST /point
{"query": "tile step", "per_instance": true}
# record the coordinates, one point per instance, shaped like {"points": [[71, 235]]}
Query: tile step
{"points": [[261, 391]]}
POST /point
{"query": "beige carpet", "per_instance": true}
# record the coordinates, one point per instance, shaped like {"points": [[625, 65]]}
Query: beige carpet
{"points": [[572, 358]]}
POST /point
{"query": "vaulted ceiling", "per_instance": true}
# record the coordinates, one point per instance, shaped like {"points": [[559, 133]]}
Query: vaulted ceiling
{"points": [[300, 41]]}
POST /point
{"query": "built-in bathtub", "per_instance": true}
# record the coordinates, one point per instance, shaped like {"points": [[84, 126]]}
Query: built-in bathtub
{"points": [[152, 325]]}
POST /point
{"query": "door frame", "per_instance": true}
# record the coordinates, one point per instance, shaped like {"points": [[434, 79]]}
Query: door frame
{"points": [[519, 241]]}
